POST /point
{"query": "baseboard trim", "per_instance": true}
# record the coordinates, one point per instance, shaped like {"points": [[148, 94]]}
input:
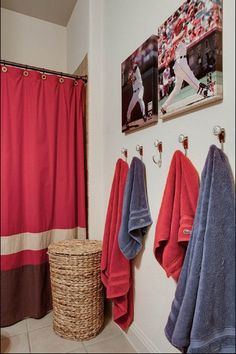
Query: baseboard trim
{"points": [[139, 340]]}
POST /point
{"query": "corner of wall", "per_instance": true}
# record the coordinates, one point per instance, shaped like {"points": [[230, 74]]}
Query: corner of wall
{"points": [[140, 341], [96, 119]]}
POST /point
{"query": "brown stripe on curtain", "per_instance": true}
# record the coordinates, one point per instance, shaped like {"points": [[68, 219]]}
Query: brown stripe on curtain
{"points": [[35, 291]]}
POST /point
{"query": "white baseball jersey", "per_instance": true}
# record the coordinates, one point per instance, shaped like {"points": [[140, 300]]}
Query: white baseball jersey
{"points": [[181, 50], [183, 72], [138, 82], [166, 75], [208, 5]]}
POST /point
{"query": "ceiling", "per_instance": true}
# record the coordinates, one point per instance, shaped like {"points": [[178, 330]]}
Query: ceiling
{"points": [[55, 11]]}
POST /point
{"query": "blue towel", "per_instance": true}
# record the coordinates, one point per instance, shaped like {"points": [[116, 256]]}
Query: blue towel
{"points": [[135, 212], [202, 318]]}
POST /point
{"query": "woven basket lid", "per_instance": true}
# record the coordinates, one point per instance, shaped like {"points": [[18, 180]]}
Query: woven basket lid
{"points": [[75, 247]]}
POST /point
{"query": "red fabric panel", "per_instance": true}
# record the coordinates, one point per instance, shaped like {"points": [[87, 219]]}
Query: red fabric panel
{"points": [[27, 257], [116, 269], [176, 215], [42, 180], [42, 174]]}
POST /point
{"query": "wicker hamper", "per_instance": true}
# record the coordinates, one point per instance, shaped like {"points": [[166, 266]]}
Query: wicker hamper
{"points": [[77, 291]]}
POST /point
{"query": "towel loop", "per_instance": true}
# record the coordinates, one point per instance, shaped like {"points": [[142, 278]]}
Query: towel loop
{"points": [[125, 153], [139, 148], [220, 132], [184, 140], [158, 144]]}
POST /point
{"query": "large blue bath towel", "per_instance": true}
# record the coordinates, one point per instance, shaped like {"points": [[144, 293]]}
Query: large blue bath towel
{"points": [[135, 212], [202, 318]]}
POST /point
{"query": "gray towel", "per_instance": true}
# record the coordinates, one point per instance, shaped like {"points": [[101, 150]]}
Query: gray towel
{"points": [[135, 212], [202, 318]]}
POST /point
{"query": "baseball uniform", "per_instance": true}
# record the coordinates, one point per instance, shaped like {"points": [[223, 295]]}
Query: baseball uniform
{"points": [[138, 92], [182, 73]]}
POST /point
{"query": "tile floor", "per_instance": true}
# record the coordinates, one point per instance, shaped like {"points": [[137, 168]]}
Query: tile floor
{"points": [[37, 336]]}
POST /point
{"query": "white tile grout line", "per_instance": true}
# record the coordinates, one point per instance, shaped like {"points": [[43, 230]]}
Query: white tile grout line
{"points": [[43, 326], [120, 333], [37, 329]]}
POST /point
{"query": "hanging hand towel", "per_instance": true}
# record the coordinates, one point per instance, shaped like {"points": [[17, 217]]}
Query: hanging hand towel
{"points": [[176, 215], [116, 269], [202, 318], [135, 213]]}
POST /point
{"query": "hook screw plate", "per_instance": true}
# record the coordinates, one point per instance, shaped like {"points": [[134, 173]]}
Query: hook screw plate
{"points": [[184, 140], [220, 132], [158, 145]]}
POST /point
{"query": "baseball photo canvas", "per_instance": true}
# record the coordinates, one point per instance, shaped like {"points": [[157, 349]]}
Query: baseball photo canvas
{"points": [[190, 58], [139, 78]]}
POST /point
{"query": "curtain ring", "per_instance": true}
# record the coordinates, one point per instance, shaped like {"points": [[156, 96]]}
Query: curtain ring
{"points": [[4, 68], [76, 82], [61, 80], [43, 76], [25, 72]]}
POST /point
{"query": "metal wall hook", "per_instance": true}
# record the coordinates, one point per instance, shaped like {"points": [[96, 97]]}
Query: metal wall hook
{"points": [[158, 144], [184, 140], [125, 153], [139, 148], [220, 132]]}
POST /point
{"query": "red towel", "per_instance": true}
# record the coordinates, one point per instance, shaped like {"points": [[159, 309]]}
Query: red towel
{"points": [[116, 269], [175, 220]]}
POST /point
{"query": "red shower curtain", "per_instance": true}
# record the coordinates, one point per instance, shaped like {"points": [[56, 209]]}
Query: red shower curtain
{"points": [[42, 183]]}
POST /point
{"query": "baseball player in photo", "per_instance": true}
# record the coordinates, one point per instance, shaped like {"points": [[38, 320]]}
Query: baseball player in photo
{"points": [[183, 73], [135, 78], [166, 80]]}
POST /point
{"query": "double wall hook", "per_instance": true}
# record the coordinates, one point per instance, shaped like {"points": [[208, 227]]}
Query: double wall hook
{"points": [[139, 148], [184, 140], [158, 144], [220, 132], [125, 153]]}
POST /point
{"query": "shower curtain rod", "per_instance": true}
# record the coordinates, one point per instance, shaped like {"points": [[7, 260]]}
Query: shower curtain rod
{"points": [[48, 71]]}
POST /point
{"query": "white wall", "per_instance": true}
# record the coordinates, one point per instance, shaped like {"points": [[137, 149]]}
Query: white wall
{"points": [[85, 35], [78, 35], [96, 124], [31, 41], [127, 23]]}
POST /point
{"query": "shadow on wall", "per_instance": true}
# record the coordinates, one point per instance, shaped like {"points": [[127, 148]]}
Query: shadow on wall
{"points": [[138, 258], [82, 70]]}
